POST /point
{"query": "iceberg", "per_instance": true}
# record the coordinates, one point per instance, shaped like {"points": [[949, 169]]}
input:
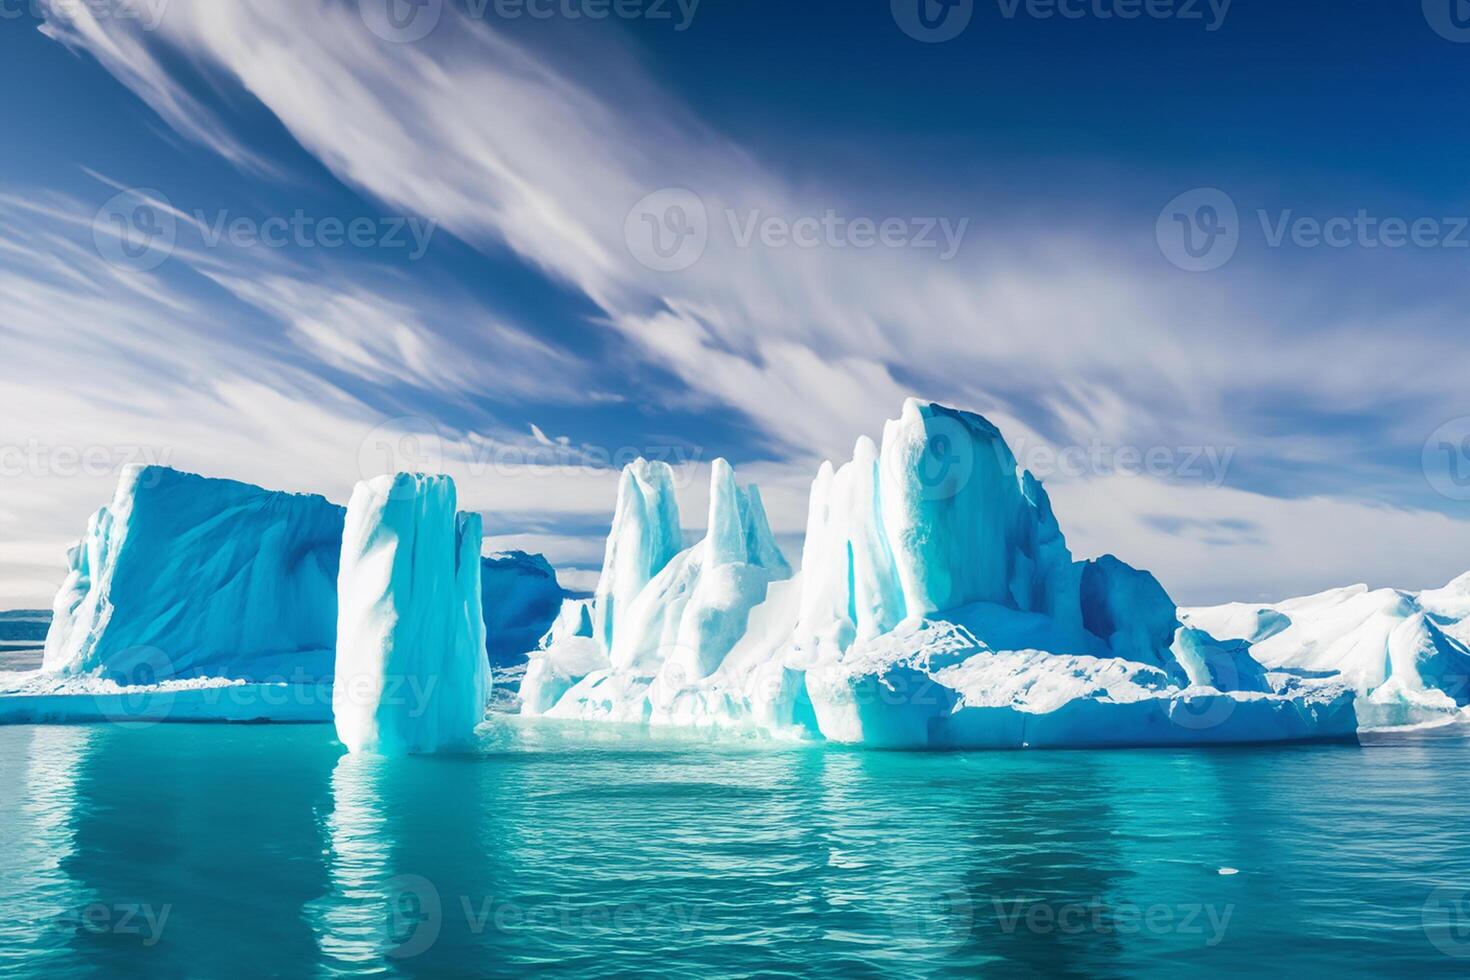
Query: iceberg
{"points": [[937, 606], [199, 599], [411, 670], [522, 602], [183, 576], [690, 611], [645, 536], [1406, 654]]}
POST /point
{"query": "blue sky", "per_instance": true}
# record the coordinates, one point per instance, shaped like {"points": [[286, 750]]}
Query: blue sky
{"points": [[500, 314]]}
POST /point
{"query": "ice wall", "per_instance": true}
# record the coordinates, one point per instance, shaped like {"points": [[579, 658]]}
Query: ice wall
{"points": [[182, 576], [522, 601], [411, 671]]}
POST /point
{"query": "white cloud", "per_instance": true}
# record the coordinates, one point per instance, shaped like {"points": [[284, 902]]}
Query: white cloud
{"points": [[1066, 328]]}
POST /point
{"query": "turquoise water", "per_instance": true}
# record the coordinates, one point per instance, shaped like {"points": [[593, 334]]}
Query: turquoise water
{"points": [[223, 851]]}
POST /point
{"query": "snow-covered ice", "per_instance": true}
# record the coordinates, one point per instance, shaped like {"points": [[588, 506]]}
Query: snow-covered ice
{"points": [[411, 675], [937, 605], [1407, 654]]}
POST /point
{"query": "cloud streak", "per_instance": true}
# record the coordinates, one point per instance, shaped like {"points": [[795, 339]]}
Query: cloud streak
{"points": [[1064, 334]]}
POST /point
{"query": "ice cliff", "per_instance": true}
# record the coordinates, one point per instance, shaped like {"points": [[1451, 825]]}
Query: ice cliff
{"points": [[183, 576], [192, 598], [411, 670], [937, 606], [522, 601]]}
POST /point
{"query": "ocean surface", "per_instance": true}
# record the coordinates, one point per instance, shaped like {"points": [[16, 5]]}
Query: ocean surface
{"points": [[557, 850]]}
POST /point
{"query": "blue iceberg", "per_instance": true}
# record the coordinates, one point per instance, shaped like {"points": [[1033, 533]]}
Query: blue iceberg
{"points": [[182, 576], [937, 606], [411, 671]]}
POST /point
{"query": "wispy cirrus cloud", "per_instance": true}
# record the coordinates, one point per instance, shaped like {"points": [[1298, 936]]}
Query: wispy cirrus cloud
{"points": [[1064, 332]]}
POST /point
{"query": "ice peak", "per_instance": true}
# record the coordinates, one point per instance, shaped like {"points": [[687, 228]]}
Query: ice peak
{"points": [[725, 541], [644, 537]]}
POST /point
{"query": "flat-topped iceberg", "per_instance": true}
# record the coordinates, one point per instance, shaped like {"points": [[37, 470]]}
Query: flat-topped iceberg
{"points": [[937, 606], [1406, 653], [183, 576], [191, 598], [411, 669]]}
